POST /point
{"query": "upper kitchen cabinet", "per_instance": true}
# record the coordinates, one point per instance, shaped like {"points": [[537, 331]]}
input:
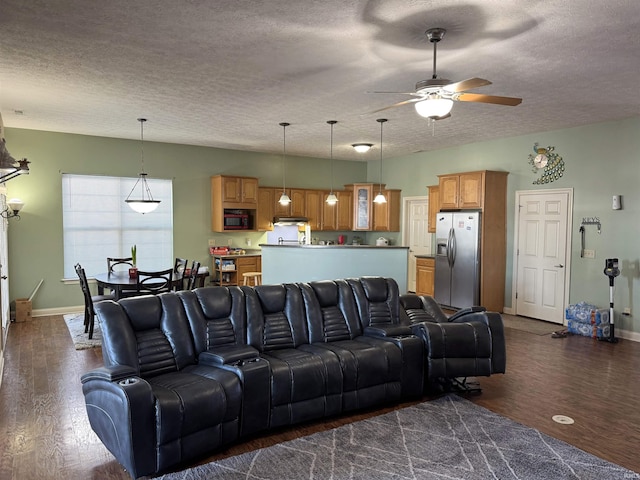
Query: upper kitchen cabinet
{"points": [[386, 216], [338, 217], [298, 203], [313, 200], [234, 202], [368, 216], [235, 192], [266, 207], [434, 206], [470, 190]]}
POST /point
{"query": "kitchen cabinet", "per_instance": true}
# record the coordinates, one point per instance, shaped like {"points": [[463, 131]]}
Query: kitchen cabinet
{"points": [[313, 200], [266, 205], [233, 195], [425, 275], [338, 217], [228, 269], [386, 216], [362, 205], [463, 190], [434, 206], [485, 191], [298, 203]]}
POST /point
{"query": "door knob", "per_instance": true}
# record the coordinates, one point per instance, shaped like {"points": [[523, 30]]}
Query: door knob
{"points": [[4, 277], [559, 266]]}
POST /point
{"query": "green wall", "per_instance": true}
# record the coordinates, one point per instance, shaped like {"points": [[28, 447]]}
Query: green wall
{"points": [[601, 160], [35, 241]]}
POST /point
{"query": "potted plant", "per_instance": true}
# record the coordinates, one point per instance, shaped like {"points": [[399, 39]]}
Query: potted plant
{"points": [[133, 271]]}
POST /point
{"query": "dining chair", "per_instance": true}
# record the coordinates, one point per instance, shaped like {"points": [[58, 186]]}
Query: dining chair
{"points": [[89, 312], [154, 282], [114, 262], [178, 273], [193, 281]]}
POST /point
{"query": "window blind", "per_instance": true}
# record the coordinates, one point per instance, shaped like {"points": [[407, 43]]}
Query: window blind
{"points": [[97, 223]]}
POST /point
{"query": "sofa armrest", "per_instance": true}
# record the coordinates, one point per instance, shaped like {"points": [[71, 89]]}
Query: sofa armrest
{"points": [[465, 311], [227, 355], [110, 374], [121, 411], [388, 331]]}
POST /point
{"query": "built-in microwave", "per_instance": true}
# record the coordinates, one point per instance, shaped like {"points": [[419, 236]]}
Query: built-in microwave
{"points": [[236, 221]]}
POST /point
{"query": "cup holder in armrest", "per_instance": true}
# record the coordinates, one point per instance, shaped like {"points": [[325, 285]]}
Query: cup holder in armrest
{"points": [[128, 381], [246, 361]]}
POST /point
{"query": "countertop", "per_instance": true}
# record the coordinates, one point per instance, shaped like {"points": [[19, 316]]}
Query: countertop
{"points": [[426, 255], [329, 246], [248, 253]]}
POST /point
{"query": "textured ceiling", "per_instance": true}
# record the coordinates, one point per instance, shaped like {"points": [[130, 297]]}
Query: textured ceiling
{"points": [[224, 73]]}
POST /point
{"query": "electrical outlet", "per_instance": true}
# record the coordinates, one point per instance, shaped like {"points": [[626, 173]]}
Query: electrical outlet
{"points": [[589, 254], [230, 242], [212, 242], [248, 242], [626, 311]]}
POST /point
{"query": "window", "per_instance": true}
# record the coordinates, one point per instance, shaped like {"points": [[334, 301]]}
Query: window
{"points": [[97, 224]]}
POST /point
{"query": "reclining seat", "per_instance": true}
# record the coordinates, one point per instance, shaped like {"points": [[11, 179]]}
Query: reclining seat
{"points": [[371, 367], [304, 385], [151, 404], [470, 343], [218, 320], [377, 301]]}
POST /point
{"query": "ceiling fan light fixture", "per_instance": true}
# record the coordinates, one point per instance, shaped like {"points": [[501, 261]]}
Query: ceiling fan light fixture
{"points": [[434, 107], [362, 147]]}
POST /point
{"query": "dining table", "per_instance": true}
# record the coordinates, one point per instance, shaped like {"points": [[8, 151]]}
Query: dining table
{"points": [[117, 282], [120, 281]]}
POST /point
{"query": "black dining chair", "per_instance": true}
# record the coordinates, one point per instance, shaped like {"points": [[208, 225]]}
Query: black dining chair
{"points": [[178, 273], [112, 263], [154, 282], [89, 312], [193, 279]]}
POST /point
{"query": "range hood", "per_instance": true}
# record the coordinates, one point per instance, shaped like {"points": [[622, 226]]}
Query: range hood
{"points": [[290, 220]]}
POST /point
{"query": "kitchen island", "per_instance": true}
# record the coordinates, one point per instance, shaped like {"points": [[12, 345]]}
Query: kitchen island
{"points": [[305, 263]]}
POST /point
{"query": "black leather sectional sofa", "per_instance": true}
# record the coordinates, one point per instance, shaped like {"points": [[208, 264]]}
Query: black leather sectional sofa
{"points": [[186, 373]]}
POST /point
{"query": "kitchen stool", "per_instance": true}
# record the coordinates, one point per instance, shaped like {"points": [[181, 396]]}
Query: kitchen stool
{"points": [[256, 276]]}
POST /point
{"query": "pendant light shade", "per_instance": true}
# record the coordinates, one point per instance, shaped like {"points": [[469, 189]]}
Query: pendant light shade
{"points": [[331, 198], [145, 203], [380, 198], [362, 147], [284, 198]]}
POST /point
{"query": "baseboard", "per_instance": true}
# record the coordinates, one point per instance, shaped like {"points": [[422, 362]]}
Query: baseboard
{"points": [[44, 312]]}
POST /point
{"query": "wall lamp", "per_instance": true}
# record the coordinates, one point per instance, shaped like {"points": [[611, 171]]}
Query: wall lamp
{"points": [[362, 147], [13, 209], [9, 166]]}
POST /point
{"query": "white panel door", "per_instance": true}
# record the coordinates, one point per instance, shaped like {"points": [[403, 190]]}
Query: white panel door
{"points": [[4, 284], [542, 255], [415, 233]]}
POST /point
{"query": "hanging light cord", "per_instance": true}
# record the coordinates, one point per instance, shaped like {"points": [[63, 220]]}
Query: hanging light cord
{"points": [[284, 126], [142, 120], [381, 120], [332, 123]]}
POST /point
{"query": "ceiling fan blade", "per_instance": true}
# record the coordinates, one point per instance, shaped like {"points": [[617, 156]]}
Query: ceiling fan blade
{"points": [[477, 97], [399, 104], [467, 84]]}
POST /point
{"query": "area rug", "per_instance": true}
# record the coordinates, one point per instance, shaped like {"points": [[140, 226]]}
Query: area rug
{"points": [[448, 438], [81, 341], [530, 325]]}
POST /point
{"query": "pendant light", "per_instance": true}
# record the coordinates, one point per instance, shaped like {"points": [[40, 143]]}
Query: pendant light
{"points": [[380, 197], [145, 203], [362, 147], [331, 198], [284, 198]]}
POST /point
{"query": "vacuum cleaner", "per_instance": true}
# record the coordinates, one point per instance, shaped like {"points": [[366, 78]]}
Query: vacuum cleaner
{"points": [[611, 270]]}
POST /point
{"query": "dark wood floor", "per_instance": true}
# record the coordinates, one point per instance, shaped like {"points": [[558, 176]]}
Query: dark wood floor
{"points": [[44, 432]]}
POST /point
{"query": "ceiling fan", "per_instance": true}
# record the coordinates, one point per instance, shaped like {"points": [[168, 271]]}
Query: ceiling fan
{"points": [[434, 97]]}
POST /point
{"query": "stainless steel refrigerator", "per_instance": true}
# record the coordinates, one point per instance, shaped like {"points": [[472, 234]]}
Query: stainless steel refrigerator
{"points": [[457, 278]]}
